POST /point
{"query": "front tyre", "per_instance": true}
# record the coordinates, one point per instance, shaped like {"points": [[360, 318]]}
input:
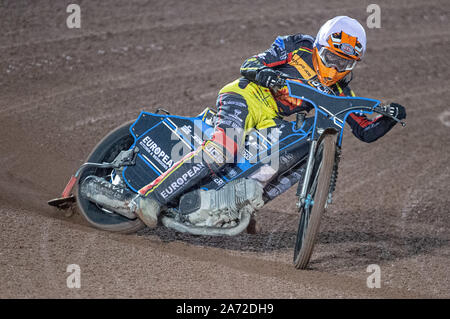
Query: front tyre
{"points": [[106, 150], [311, 213]]}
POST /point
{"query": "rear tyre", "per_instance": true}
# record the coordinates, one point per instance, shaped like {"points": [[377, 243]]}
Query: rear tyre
{"points": [[106, 151], [319, 187]]}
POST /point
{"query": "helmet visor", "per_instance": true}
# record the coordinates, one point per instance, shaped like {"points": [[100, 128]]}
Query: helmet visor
{"points": [[331, 59]]}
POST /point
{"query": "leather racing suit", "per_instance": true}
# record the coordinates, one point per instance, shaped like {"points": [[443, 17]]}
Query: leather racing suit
{"points": [[244, 104]]}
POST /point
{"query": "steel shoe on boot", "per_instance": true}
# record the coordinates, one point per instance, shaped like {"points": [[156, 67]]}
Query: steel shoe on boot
{"points": [[148, 210], [253, 227]]}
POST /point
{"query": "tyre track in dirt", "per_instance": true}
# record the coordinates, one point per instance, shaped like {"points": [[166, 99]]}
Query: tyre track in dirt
{"points": [[213, 258]]}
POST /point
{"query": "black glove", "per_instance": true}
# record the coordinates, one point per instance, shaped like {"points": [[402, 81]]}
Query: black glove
{"points": [[396, 110], [267, 77]]}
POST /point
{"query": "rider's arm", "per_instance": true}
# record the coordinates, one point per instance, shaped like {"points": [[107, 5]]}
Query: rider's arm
{"points": [[365, 129], [279, 53], [369, 130]]}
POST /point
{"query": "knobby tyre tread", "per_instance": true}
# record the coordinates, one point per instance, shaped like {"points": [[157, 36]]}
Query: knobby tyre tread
{"points": [[320, 198]]}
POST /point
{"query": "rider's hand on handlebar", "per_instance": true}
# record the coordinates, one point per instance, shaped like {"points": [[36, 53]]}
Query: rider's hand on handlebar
{"points": [[267, 77], [395, 110]]}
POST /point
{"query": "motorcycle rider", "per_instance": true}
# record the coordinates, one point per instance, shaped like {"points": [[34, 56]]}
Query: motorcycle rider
{"points": [[254, 101]]}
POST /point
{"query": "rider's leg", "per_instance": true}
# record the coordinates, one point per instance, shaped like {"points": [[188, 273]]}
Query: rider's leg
{"points": [[205, 161]]}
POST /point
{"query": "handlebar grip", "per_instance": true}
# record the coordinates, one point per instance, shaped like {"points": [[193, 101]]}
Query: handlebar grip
{"points": [[281, 82], [381, 110]]}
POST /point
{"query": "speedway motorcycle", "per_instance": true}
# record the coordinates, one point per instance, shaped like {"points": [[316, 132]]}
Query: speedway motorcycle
{"points": [[307, 153]]}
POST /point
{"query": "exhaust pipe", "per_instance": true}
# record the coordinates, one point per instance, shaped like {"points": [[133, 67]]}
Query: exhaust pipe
{"points": [[111, 197], [122, 201], [210, 231]]}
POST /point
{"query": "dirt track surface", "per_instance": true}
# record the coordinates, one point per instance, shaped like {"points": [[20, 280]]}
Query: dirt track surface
{"points": [[62, 90]]}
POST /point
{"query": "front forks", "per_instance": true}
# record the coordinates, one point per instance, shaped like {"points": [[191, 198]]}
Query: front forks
{"points": [[309, 167], [305, 199]]}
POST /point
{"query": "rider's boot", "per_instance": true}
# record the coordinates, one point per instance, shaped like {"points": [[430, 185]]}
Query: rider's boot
{"points": [[148, 209], [253, 227]]}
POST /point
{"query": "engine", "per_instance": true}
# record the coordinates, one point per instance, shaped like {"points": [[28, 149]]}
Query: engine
{"points": [[223, 207]]}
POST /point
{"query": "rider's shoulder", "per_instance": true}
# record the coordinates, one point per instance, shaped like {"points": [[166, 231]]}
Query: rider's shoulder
{"points": [[294, 41]]}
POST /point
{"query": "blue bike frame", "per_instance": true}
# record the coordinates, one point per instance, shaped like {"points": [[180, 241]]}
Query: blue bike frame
{"points": [[330, 111]]}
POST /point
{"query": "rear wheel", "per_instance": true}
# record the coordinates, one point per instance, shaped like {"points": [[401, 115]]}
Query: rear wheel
{"points": [[106, 151], [317, 195]]}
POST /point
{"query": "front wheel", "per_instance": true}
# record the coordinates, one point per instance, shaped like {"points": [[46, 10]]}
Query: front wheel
{"points": [[118, 140], [317, 195]]}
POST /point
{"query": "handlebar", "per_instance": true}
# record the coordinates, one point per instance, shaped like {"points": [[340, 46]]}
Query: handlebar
{"points": [[377, 109], [281, 81]]}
